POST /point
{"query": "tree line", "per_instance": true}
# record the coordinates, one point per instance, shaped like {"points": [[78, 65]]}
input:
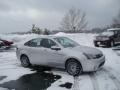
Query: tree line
{"points": [[74, 21], [37, 30]]}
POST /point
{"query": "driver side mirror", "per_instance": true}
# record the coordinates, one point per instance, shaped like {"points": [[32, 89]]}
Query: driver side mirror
{"points": [[55, 48]]}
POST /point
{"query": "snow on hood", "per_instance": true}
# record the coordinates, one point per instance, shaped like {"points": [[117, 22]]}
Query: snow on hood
{"points": [[106, 34], [87, 50]]}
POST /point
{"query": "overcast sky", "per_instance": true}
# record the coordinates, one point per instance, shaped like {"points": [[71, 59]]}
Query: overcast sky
{"points": [[19, 15]]}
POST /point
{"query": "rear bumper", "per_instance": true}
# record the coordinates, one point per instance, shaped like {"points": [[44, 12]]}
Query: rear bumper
{"points": [[94, 64]]}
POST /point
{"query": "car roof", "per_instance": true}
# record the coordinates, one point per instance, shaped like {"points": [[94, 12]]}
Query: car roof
{"points": [[113, 29], [49, 36], [45, 36], [41, 36]]}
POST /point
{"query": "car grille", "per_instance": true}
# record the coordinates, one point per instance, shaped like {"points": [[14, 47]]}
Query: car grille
{"points": [[101, 38]]}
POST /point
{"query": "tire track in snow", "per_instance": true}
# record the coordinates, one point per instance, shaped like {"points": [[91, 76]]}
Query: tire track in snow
{"points": [[113, 78], [94, 81], [76, 83]]}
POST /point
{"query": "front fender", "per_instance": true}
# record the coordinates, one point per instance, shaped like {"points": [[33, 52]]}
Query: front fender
{"points": [[81, 58]]}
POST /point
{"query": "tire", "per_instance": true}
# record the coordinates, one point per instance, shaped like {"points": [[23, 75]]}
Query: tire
{"points": [[25, 61], [96, 45], [73, 67], [111, 44]]}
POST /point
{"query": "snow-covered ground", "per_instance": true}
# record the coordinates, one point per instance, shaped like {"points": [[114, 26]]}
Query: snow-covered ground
{"points": [[107, 78]]}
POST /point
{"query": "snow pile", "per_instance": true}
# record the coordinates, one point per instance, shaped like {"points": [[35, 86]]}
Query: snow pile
{"points": [[60, 34], [81, 38], [16, 37]]}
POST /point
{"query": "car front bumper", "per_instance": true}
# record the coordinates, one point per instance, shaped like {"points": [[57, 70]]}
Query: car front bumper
{"points": [[101, 42], [93, 64]]}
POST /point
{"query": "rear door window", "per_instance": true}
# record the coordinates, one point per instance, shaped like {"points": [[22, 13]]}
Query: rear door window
{"points": [[33, 43], [47, 43]]}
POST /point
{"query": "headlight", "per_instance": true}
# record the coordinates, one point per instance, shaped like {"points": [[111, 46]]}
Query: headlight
{"points": [[88, 56]]}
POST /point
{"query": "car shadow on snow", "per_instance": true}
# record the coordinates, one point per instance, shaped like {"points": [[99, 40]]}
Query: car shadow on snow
{"points": [[40, 80]]}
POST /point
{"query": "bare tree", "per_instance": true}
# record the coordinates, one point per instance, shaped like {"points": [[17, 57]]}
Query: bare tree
{"points": [[36, 30], [74, 21], [116, 21], [46, 31]]}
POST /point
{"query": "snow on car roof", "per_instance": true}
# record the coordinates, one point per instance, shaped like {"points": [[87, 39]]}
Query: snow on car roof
{"points": [[112, 29]]}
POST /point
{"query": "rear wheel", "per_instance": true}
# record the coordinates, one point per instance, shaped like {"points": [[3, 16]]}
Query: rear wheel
{"points": [[111, 44], [96, 45], [25, 61], [73, 67]]}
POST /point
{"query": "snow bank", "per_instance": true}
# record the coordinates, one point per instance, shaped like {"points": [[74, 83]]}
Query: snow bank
{"points": [[60, 34], [82, 38], [17, 38]]}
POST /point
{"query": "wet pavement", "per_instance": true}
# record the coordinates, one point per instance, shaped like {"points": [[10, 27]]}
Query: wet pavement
{"points": [[40, 80], [67, 85]]}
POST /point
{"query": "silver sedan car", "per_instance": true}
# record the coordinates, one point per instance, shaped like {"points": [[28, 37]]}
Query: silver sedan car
{"points": [[60, 52]]}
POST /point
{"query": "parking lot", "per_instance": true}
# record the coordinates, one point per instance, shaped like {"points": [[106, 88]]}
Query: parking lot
{"points": [[15, 77]]}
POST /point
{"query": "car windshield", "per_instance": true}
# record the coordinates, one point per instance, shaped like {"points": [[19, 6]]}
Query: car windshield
{"points": [[108, 33], [66, 42]]}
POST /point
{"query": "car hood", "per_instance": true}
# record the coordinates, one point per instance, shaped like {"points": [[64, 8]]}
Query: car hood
{"points": [[102, 35], [87, 50]]}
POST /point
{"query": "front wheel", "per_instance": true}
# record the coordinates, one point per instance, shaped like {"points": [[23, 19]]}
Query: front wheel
{"points": [[25, 61], [73, 67]]}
